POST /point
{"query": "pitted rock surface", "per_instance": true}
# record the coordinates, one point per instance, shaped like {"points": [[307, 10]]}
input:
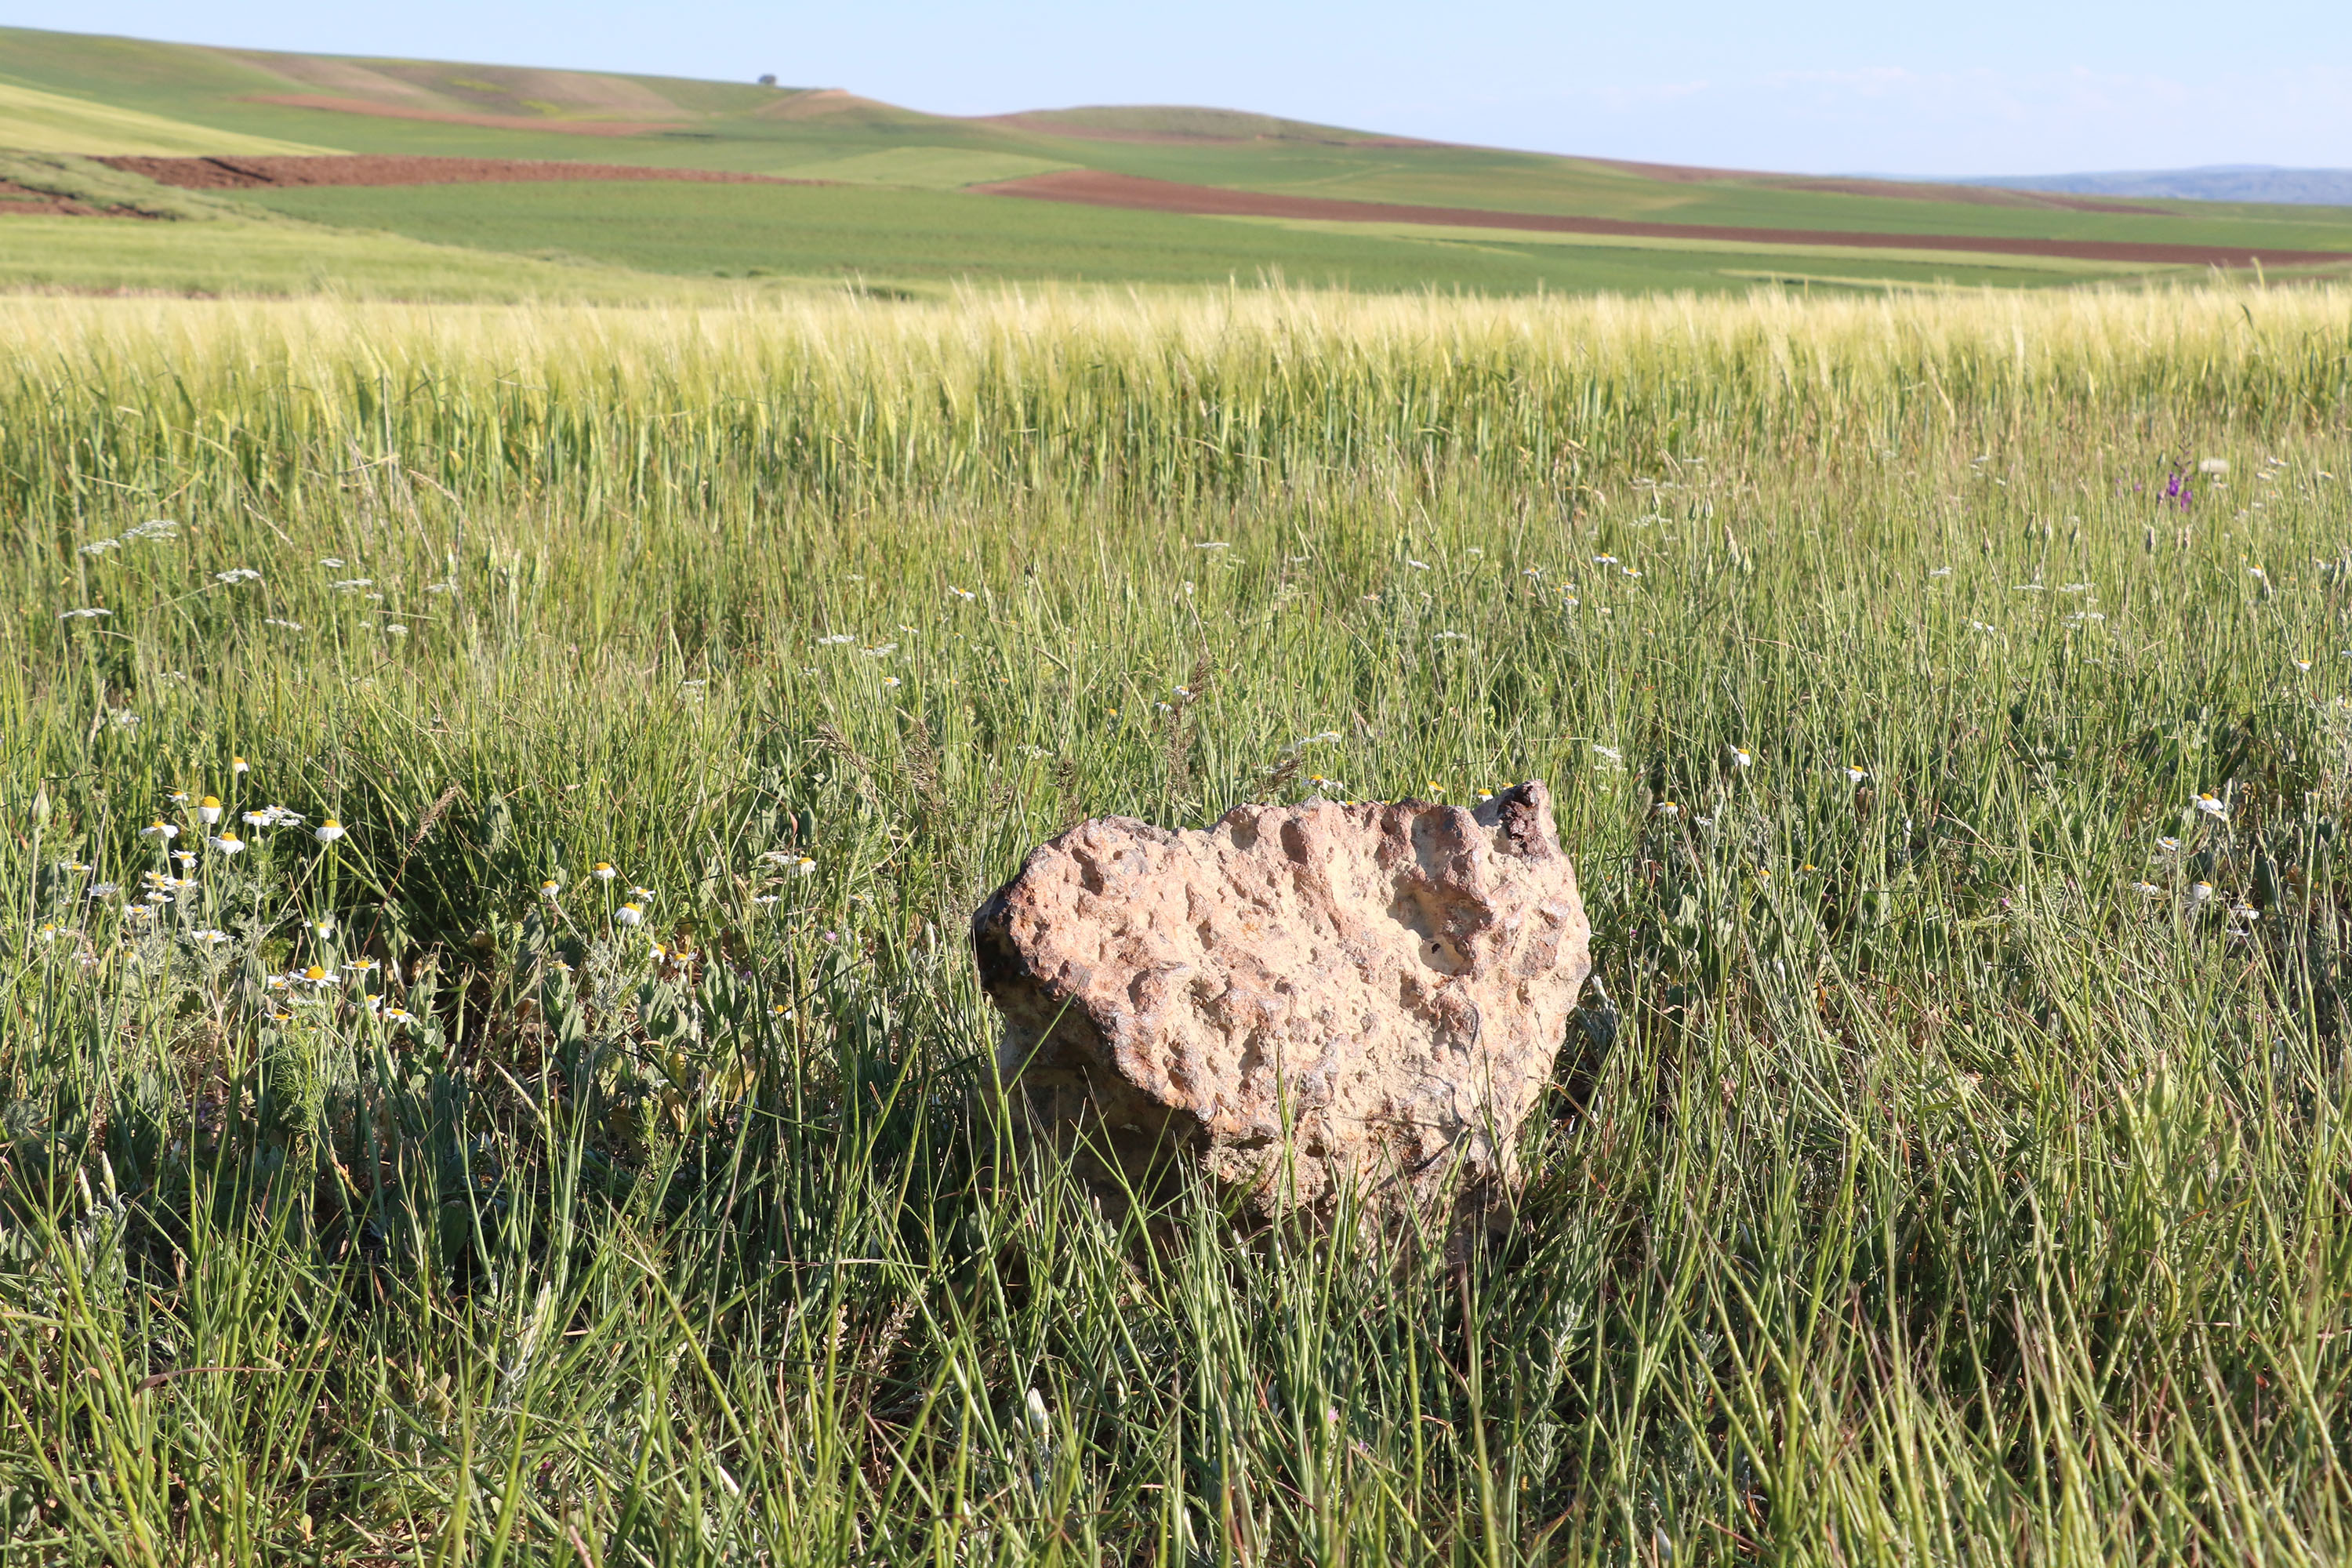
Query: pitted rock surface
{"points": [[1298, 998]]}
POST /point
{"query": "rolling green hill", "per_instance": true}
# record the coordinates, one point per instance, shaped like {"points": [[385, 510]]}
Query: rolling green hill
{"points": [[899, 206], [32, 120]]}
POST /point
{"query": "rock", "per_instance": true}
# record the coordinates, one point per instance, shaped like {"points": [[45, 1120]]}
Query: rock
{"points": [[1298, 999]]}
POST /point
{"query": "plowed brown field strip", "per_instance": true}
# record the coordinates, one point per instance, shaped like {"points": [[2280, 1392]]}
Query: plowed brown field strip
{"points": [[1093, 188]]}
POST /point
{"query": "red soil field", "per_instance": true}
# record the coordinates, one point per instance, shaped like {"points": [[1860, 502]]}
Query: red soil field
{"points": [[1093, 188], [384, 169]]}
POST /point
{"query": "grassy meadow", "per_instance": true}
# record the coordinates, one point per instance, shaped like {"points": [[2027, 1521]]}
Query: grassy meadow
{"points": [[1952, 1167]]}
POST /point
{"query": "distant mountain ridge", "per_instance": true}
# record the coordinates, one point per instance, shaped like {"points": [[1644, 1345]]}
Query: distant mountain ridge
{"points": [[2214, 183]]}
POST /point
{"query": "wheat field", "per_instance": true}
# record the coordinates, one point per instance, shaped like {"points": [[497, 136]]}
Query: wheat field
{"points": [[491, 1067]]}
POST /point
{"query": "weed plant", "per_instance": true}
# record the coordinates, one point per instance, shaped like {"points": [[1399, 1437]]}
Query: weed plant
{"points": [[1951, 1166]]}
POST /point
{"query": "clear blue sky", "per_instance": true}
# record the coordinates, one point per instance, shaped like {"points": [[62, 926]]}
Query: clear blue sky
{"points": [[1891, 86]]}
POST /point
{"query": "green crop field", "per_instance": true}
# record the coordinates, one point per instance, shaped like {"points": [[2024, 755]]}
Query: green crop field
{"points": [[901, 214], [1953, 1169], [893, 235], [53, 254], [921, 237]]}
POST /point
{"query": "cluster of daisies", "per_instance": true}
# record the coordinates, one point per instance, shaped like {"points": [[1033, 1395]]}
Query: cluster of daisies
{"points": [[206, 819], [325, 977], [209, 813], [630, 913], [322, 984], [209, 825]]}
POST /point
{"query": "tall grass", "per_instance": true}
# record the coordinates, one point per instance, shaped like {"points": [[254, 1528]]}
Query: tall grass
{"points": [[1954, 1173], [1085, 397]]}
